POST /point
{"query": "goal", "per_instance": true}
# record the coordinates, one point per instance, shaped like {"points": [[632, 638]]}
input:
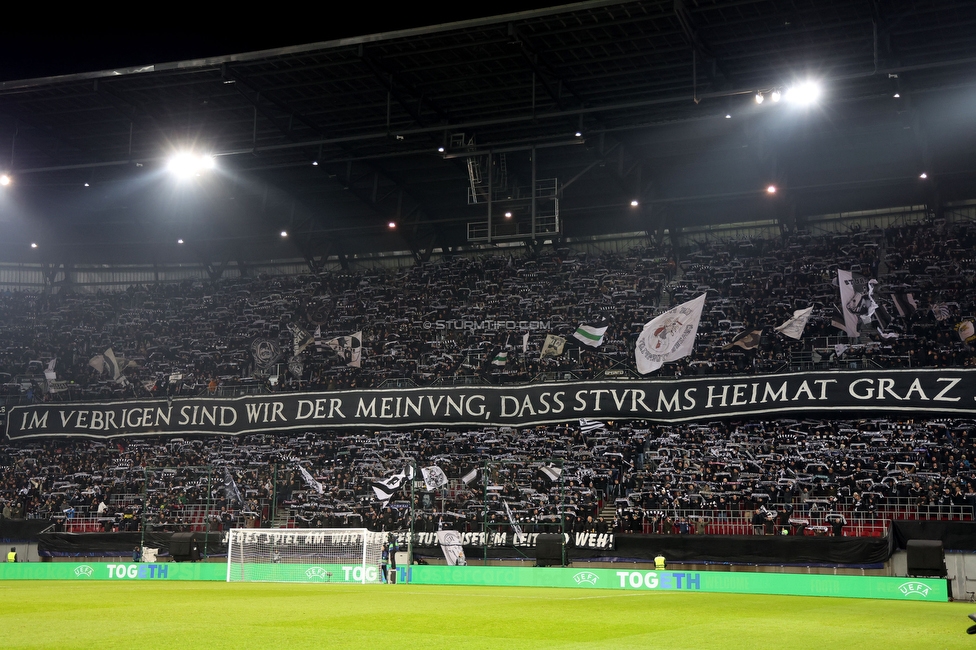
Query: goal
{"points": [[345, 555]]}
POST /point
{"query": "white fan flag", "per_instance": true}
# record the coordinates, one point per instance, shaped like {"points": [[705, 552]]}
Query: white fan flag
{"points": [[793, 328], [855, 300], [553, 346], [450, 543], [434, 477], [348, 348], [310, 480], [670, 336]]}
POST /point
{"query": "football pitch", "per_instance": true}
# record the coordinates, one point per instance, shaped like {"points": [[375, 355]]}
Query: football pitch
{"points": [[55, 614]]}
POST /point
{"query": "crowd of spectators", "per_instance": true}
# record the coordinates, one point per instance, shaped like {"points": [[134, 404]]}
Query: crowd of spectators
{"points": [[426, 324], [445, 320], [627, 477]]}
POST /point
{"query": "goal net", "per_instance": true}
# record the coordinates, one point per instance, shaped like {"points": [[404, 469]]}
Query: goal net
{"points": [[304, 555]]}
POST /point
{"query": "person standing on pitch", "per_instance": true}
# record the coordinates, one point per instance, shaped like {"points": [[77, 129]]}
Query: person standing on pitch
{"points": [[391, 551], [12, 555], [384, 562], [659, 562]]}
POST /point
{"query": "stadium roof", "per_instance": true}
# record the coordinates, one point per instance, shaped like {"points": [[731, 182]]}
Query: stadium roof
{"points": [[652, 101]]}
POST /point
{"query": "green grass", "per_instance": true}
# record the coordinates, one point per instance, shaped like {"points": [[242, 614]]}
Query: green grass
{"points": [[41, 614]]}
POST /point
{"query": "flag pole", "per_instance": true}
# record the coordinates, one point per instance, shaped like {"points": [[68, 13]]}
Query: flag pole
{"points": [[413, 473]]}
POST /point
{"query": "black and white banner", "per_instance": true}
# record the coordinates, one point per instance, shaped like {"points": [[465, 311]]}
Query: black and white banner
{"points": [[939, 391], [595, 541]]}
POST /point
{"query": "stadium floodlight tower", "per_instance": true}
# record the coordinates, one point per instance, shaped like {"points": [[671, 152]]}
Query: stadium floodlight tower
{"points": [[327, 555]]}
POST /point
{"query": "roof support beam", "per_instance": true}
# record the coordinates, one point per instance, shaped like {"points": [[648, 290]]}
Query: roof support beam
{"points": [[701, 48]]}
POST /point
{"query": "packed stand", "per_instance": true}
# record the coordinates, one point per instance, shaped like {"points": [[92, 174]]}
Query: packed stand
{"points": [[427, 323], [799, 476]]}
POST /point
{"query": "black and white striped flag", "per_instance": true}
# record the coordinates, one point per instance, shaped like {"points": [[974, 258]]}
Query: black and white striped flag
{"points": [[905, 304], [551, 472], [511, 520], [591, 425]]}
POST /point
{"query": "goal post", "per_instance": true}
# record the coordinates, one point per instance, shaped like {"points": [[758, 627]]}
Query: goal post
{"points": [[342, 555]]}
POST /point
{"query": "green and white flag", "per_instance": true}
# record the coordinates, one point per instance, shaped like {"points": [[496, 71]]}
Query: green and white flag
{"points": [[590, 335], [500, 359]]}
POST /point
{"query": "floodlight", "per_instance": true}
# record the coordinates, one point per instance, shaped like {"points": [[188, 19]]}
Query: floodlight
{"points": [[771, 189], [508, 215], [315, 163], [4, 180], [579, 134], [284, 233], [391, 225], [440, 149], [187, 164], [634, 203], [759, 98], [804, 94], [776, 96], [728, 116], [33, 245], [179, 241], [923, 175]]}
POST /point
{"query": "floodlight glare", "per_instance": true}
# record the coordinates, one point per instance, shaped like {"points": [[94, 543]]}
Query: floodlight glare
{"points": [[923, 175], [284, 233], [4, 180], [508, 215], [776, 96], [634, 203], [771, 189], [759, 98], [391, 225], [803, 94], [184, 165], [33, 245], [179, 241]]}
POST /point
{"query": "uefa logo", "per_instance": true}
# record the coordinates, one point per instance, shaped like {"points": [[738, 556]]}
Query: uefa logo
{"points": [[318, 573], [84, 571], [587, 577], [915, 589]]}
